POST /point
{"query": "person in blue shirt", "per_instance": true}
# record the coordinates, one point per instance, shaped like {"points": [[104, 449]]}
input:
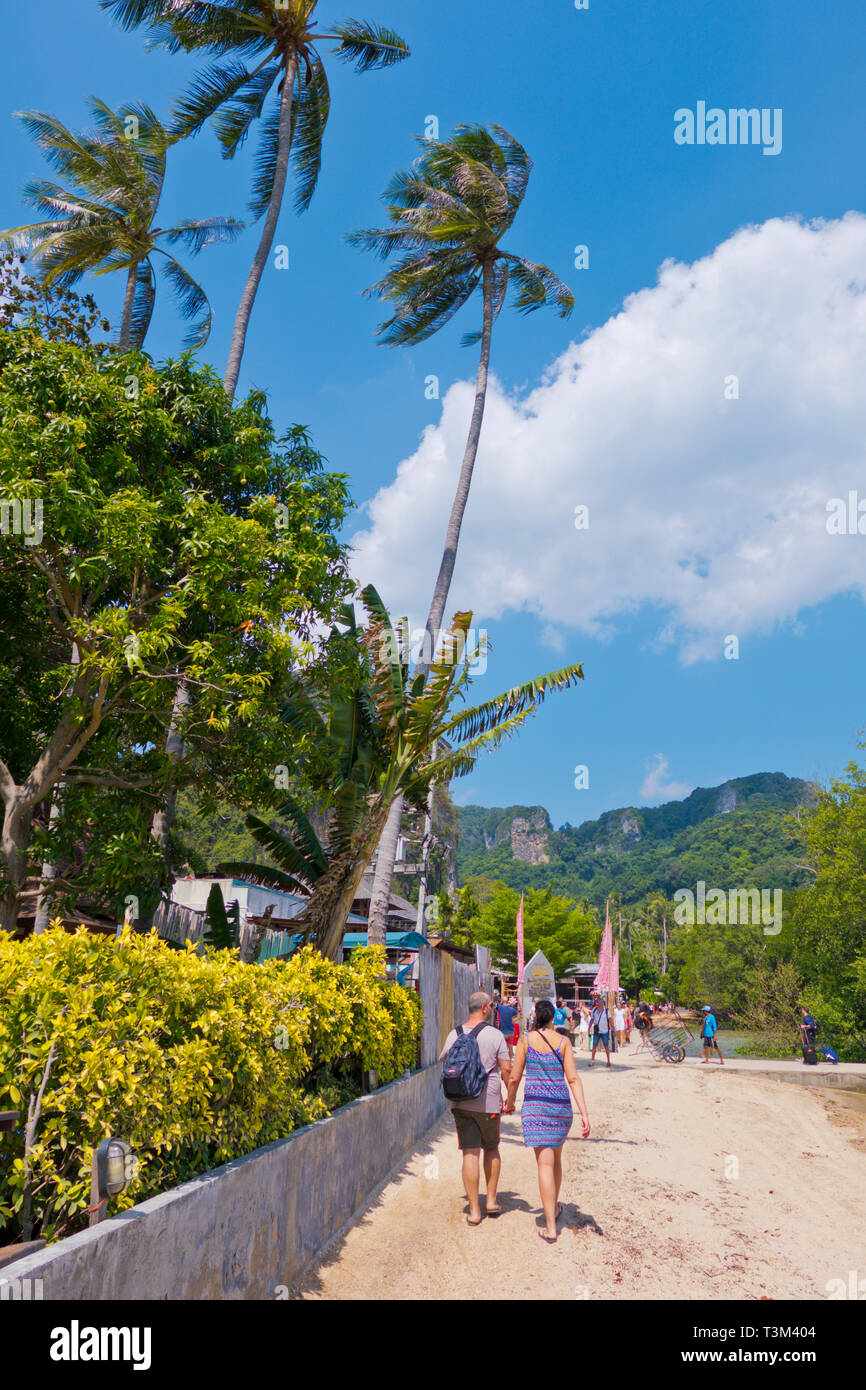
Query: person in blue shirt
{"points": [[560, 1019], [505, 1025], [709, 1029]]}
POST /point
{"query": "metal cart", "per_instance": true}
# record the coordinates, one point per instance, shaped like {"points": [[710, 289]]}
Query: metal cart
{"points": [[668, 1044]]}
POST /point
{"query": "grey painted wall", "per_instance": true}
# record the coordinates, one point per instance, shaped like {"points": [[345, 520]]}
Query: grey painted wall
{"points": [[253, 1225]]}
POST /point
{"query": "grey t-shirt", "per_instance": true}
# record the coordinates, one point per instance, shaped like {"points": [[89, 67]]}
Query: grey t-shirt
{"points": [[493, 1049]]}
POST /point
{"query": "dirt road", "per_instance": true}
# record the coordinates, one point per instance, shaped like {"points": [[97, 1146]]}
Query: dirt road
{"points": [[695, 1183]]}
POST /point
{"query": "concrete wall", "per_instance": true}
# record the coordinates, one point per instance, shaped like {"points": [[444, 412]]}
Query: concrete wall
{"points": [[253, 1225]]}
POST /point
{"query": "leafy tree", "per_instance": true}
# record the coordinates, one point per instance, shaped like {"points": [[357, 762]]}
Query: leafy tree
{"points": [[637, 975], [103, 219], [281, 38], [458, 921], [447, 216], [179, 538], [567, 932], [715, 965], [829, 926]]}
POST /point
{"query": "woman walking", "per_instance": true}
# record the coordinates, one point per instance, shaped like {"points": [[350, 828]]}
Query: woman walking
{"points": [[546, 1112], [583, 1031]]}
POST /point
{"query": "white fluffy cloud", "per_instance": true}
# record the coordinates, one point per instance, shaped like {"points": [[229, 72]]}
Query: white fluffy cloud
{"points": [[656, 786], [713, 510]]}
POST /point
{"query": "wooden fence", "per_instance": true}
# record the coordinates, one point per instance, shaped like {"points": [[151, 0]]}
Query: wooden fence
{"points": [[445, 986]]}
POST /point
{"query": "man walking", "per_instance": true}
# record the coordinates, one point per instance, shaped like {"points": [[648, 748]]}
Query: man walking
{"points": [[476, 1118], [709, 1028], [600, 1025]]}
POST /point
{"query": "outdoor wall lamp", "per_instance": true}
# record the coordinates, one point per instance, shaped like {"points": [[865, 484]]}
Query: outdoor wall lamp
{"points": [[114, 1167]]}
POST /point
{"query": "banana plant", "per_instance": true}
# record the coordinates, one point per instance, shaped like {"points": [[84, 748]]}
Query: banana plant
{"points": [[383, 738]]}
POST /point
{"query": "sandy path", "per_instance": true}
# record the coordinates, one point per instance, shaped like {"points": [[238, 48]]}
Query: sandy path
{"points": [[695, 1183]]}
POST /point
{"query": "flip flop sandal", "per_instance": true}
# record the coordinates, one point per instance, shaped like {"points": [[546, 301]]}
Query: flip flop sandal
{"points": [[470, 1222], [494, 1211], [549, 1240]]}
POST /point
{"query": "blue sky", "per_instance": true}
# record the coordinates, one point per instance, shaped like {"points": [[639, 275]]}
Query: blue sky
{"points": [[592, 96]]}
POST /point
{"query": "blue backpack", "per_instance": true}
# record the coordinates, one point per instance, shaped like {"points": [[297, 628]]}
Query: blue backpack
{"points": [[463, 1074]]}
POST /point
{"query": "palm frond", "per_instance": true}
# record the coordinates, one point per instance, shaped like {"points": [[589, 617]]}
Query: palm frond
{"points": [[525, 697], [235, 116], [306, 838], [310, 118], [266, 161], [60, 147], [222, 924], [349, 807], [51, 199], [129, 14], [517, 168], [300, 713], [263, 876], [389, 670], [300, 856], [209, 90], [369, 45], [143, 302], [459, 762], [204, 231], [538, 286], [424, 305], [191, 300]]}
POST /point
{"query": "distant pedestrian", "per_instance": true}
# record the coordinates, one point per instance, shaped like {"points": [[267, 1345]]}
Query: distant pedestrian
{"points": [[476, 1116], [809, 1036], [709, 1029], [619, 1024], [643, 1023], [583, 1029], [546, 1112], [560, 1019], [507, 1015], [600, 1023]]}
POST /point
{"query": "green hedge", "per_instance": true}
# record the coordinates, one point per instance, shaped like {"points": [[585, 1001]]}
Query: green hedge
{"points": [[194, 1060]]}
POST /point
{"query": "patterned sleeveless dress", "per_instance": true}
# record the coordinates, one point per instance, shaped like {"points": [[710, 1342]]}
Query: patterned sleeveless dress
{"points": [[546, 1112]]}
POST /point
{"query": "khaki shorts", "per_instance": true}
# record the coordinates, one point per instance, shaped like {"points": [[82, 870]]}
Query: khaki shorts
{"points": [[476, 1130]]}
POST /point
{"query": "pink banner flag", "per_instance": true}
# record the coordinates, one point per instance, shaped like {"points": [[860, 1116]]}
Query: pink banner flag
{"points": [[614, 971], [520, 942], [605, 957]]}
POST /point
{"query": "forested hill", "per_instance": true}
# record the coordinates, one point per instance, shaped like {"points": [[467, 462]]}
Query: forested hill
{"points": [[739, 834]]}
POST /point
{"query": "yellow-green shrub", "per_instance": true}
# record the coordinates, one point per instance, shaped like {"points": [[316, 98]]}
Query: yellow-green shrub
{"points": [[193, 1060]]}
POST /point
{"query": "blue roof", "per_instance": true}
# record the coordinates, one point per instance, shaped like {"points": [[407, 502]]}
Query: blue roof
{"points": [[283, 943], [404, 940]]}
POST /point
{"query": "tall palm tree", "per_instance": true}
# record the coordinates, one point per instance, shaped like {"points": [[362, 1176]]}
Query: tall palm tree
{"points": [[447, 216], [384, 736], [282, 35], [104, 220]]}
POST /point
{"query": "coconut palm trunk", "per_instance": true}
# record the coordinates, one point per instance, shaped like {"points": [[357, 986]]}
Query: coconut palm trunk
{"points": [[381, 891], [239, 333]]}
